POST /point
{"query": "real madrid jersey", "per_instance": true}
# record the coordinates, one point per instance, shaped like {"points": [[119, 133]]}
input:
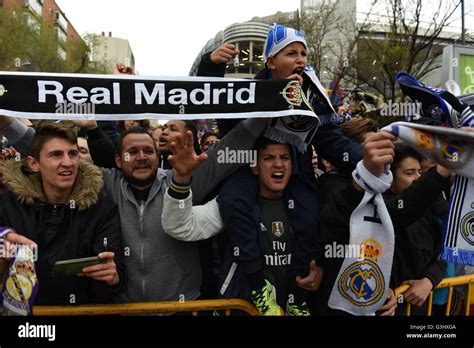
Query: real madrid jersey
{"points": [[277, 245]]}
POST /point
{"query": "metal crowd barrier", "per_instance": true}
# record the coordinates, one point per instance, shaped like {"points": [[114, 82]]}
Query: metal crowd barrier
{"points": [[445, 283], [166, 307], [227, 305]]}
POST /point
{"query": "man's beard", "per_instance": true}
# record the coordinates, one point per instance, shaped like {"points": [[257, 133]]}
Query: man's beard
{"points": [[142, 182]]}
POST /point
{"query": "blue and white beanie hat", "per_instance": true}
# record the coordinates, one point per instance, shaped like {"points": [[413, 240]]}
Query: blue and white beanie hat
{"points": [[279, 37]]}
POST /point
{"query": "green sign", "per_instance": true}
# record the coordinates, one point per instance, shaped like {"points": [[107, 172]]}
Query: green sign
{"points": [[466, 73]]}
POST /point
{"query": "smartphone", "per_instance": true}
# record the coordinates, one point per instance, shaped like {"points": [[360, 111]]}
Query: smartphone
{"points": [[74, 266]]}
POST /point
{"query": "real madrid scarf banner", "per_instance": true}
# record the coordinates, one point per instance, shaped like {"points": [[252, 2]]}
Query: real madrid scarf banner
{"points": [[304, 128], [451, 148], [362, 284], [454, 150], [106, 97], [124, 97], [451, 151]]}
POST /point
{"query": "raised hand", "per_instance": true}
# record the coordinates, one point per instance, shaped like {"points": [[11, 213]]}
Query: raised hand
{"points": [[224, 53], [123, 69], [184, 159], [91, 124], [378, 151]]}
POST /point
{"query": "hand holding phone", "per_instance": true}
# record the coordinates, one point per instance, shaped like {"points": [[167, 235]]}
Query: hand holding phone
{"points": [[74, 266], [106, 271]]}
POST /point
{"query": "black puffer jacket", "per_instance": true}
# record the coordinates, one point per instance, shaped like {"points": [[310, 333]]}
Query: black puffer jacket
{"points": [[64, 232]]}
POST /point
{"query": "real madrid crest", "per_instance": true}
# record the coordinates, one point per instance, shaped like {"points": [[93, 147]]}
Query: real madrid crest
{"points": [[293, 93], [452, 153], [277, 229], [362, 283]]}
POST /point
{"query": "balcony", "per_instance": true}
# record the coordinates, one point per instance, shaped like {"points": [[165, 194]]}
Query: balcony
{"points": [[35, 6], [61, 20]]}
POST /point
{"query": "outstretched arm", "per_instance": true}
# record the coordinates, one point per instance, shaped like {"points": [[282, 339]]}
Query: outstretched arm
{"points": [[184, 159], [179, 218], [214, 63], [212, 172], [18, 134]]}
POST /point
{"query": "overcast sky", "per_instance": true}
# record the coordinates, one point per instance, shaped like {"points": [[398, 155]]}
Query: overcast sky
{"points": [[167, 35]]}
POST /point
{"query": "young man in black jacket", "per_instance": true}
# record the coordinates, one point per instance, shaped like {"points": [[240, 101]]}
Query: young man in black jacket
{"points": [[56, 202]]}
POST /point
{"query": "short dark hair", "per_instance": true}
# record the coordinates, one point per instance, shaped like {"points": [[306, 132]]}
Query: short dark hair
{"points": [[192, 126], [403, 151], [263, 142], [207, 135], [134, 130], [48, 131]]}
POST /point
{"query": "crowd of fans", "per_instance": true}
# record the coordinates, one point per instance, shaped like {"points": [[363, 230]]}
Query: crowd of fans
{"points": [[171, 222]]}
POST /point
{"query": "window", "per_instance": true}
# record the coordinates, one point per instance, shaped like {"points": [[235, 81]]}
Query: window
{"points": [[62, 36], [257, 55], [61, 52], [35, 5], [61, 20], [250, 59]]}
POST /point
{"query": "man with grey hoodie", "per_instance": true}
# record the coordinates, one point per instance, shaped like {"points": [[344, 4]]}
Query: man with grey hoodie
{"points": [[158, 267]]}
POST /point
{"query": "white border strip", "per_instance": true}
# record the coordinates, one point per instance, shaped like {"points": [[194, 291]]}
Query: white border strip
{"points": [[129, 77], [177, 116]]}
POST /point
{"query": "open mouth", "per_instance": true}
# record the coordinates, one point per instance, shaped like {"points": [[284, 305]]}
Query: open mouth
{"points": [[66, 173], [299, 70], [163, 141], [278, 175]]}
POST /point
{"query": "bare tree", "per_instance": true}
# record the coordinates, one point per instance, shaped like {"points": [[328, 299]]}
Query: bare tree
{"points": [[317, 23], [406, 35], [344, 48], [401, 41], [332, 35]]}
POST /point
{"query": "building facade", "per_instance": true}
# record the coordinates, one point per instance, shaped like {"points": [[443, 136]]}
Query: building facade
{"points": [[49, 11], [112, 50], [249, 37]]}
